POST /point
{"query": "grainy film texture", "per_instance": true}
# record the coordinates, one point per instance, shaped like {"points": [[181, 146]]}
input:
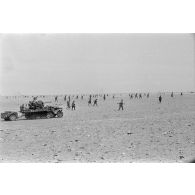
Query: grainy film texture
{"points": [[97, 97]]}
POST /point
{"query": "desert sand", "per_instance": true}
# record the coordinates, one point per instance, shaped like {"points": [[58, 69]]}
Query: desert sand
{"points": [[145, 131]]}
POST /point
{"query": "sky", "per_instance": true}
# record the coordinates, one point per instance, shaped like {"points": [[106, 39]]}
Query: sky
{"points": [[96, 63]]}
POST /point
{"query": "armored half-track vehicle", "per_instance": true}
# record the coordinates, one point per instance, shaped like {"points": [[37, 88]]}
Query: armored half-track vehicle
{"points": [[34, 110]]}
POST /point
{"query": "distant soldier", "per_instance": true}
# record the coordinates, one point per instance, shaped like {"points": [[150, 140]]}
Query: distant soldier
{"points": [[136, 95], [148, 95], [89, 101], [104, 97], [68, 104], [181, 93], [65, 98], [121, 103], [172, 94], [35, 98], [69, 98], [160, 98], [73, 105], [140, 95], [95, 102], [113, 96], [56, 98]]}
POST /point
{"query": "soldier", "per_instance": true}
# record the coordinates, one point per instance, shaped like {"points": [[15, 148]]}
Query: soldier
{"points": [[89, 102], [160, 98], [39, 104], [136, 95], [104, 97], [95, 102], [35, 98], [181, 93], [32, 105], [148, 95], [68, 104], [56, 98], [140, 95], [121, 103], [172, 94], [73, 105], [65, 98]]}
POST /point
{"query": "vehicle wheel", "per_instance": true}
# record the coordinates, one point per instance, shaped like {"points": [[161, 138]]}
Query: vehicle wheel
{"points": [[38, 117], [31, 117], [13, 117], [50, 115], [27, 116], [59, 114]]}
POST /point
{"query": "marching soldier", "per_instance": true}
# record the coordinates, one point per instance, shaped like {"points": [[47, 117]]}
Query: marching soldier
{"points": [[56, 98], [95, 102], [160, 98], [68, 104], [104, 97], [73, 105], [121, 103], [89, 102]]}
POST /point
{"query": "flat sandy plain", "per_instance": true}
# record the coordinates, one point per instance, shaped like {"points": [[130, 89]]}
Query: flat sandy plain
{"points": [[145, 131]]}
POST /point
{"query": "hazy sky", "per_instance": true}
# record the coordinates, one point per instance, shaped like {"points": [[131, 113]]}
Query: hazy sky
{"points": [[90, 63]]}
